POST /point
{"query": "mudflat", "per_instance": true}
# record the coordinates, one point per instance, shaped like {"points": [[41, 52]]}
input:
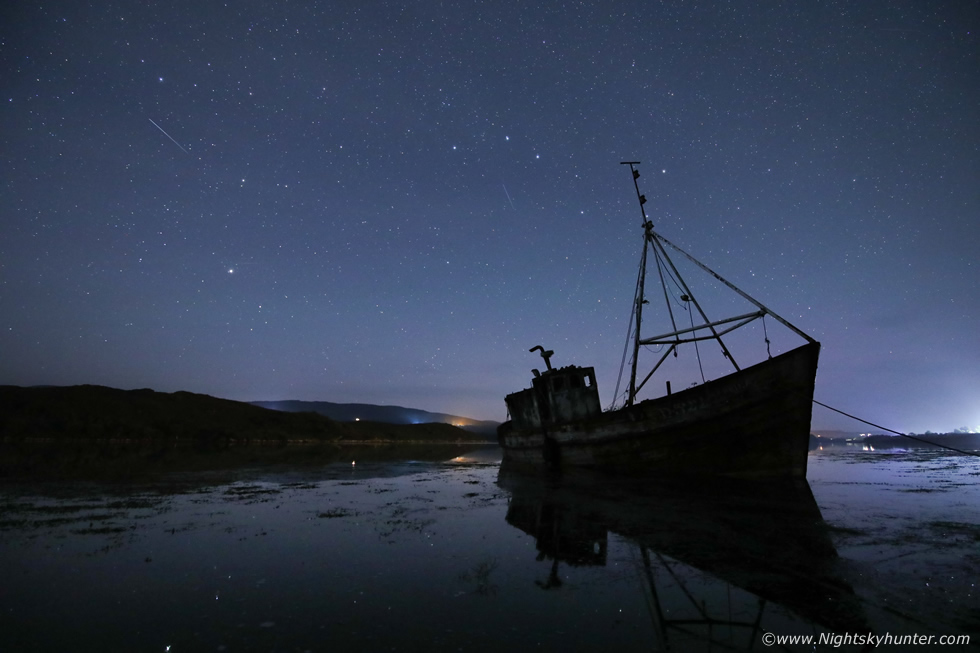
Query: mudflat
{"points": [[451, 551]]}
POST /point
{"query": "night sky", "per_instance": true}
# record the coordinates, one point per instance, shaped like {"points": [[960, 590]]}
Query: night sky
{"points": [[391, 202]]}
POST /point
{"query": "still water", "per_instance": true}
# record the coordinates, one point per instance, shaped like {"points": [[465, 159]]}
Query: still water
{"points": [[461, 554]]}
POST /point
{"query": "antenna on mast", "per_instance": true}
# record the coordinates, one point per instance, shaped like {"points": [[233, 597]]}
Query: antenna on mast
{"points": [[642, 198]]}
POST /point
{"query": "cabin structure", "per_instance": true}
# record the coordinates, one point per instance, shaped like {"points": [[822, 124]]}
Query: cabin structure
{"points": [[557, 396]]}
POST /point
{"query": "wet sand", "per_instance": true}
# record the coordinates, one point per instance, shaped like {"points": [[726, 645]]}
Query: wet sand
{"points": [[906, 525], [456, 554]]}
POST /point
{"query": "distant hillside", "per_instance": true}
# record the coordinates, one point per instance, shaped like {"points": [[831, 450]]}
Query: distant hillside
{"points": [[386, 414], [90, 412]]}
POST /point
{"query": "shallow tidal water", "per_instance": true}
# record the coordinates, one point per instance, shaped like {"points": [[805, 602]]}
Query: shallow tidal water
{"points": [[464, 555]]}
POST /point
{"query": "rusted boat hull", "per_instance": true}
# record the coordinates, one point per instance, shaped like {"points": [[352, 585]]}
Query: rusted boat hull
{"points": [[753, 423]]}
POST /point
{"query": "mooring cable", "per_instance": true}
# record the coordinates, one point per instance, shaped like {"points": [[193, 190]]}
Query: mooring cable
{"points": [[904, 435]]}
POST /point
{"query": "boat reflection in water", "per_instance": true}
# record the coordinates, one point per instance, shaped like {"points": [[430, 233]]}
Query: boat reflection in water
{"points": [[722, 561]]}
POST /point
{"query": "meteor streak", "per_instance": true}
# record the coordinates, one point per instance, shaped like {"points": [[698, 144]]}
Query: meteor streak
{"points": [[508, 197], [169, 136]]}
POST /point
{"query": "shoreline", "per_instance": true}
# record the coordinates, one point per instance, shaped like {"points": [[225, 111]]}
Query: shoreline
{"points": [[131, 460], [236, 442]]}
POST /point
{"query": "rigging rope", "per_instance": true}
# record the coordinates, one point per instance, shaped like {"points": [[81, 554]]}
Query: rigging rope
{"points": [[676, 285], [622, 364], [629, 334], [904, 435]]}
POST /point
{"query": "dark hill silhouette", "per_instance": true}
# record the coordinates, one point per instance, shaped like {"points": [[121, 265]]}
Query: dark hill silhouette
{"points": [[90, 412]]}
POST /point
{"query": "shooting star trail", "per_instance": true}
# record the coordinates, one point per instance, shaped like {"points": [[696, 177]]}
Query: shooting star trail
{"points": [[169, 136], [508, 197]]}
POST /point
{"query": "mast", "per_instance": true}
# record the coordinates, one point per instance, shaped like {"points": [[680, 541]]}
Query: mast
{"points": [[673, 339], [650, 239], [641, 280]]}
